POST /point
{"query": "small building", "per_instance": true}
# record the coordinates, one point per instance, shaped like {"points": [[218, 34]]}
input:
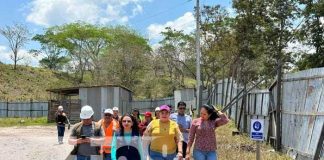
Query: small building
{"points": [[98, 97]]}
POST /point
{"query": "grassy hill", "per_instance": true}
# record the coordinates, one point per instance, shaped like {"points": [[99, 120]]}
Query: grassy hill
{"points": [[29, 82]]}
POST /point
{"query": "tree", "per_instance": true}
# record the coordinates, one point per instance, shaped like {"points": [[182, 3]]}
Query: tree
{"points": [[263, 30], [126, 57], [177, 51], [54, 58], [219, 45], [84, 43], [17, 36], [312, 34]]}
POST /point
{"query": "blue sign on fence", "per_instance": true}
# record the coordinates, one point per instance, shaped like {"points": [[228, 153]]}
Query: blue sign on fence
{"points": [[257, 129]]}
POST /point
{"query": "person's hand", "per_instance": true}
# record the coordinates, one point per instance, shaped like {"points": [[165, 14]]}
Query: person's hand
{"points": [[187, 156], [179, 156], [69, 126], [83, 140]]}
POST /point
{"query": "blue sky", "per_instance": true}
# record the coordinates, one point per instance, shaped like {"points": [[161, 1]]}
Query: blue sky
{"points": [[148, 17]]}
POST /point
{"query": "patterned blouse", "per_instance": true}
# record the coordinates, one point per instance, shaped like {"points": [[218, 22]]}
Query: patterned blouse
{"points": [[204, 133]]}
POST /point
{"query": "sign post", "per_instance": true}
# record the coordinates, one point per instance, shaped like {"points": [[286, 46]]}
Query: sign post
{"points": [[257, 135]]}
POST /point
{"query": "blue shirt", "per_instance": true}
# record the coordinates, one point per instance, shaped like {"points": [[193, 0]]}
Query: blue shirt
{"points": [[127, 138], [183, 121]]}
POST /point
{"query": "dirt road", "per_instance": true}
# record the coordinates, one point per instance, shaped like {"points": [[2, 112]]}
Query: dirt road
{"points": [[33, 143]]}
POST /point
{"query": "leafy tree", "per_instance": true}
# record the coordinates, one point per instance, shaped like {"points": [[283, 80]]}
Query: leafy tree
{"points": [[126, 58], [177, 51], [84, 44], [218, 49], [312, 34], [54, 58]]}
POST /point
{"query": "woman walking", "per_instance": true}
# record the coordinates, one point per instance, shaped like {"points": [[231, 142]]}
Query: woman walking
{"points": [[162, 137], [136, 115], [126, 143], [202, 131], [61, 119]]}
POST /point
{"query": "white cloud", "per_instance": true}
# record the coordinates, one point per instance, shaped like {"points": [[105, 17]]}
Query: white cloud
{"points": [[56, 12], [28, 59], [185, 23]]}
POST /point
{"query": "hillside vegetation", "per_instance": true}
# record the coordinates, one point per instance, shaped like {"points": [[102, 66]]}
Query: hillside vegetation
{"points": [[27, 83]]}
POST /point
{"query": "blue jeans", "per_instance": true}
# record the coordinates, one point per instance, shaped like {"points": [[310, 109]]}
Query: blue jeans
{"points": [[159, 156], [107, 156], [80, 157], [60, 132], [204, 155]]}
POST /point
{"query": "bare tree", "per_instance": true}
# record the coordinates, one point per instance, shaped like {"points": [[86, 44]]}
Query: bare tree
{"points": [[17, 36]]}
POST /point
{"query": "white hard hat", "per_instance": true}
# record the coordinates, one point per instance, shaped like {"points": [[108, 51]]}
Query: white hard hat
{"points": [[115, 109], [157, 109], [86, 112], [60, 108], [109, 111]]}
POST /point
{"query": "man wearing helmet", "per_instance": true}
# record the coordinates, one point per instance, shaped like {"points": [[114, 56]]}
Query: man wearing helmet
{"points": [[86, 136]]}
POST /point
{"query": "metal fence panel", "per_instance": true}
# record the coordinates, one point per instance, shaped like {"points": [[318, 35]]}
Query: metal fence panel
{"points": [[23, 109]]}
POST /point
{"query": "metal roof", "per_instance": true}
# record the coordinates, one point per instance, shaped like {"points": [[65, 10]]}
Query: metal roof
{"points": [[75, 90]]}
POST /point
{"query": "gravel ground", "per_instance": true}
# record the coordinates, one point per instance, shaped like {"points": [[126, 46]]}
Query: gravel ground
{"points": [[33, 143]]}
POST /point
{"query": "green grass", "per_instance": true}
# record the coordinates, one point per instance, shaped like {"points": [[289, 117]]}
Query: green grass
{"points": [[9, 122]]}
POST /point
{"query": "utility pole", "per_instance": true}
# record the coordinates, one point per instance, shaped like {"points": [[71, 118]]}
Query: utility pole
{"points": [[198, 53]]}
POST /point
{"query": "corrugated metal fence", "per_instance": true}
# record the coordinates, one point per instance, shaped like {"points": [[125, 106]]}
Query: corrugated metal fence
{"points": [[23, 109], [302, 114], [151, 104]]}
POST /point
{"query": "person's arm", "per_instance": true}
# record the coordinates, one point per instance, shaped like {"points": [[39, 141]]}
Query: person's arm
{"points": [[188, 129], [99, 139], [56, 118], [147, 139], [222, 120], [192, 134], [114, 147], [179, 139], [140, 149], [73, 138]]}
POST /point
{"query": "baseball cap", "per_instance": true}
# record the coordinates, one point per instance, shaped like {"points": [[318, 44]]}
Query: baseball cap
{"points": [[109, 111], [135, 110], [148, 114], [165, 107], [115, 109], [182, 103]]}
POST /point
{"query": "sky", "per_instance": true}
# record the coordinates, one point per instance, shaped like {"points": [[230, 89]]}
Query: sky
{"points": [[148, 17]]}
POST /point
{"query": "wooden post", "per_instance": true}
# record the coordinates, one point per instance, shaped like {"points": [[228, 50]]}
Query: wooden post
{"points": [[244, 96], [278, 108], [223, 87], [31, 108], [7, 107], [231, 95], [258, 151], [320, 145]]}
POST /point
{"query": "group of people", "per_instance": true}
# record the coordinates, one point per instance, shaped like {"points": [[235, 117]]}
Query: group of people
{"points": [[165, 136]]}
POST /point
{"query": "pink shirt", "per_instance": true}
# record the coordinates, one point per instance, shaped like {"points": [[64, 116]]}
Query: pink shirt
{"points": [[204, 133]]}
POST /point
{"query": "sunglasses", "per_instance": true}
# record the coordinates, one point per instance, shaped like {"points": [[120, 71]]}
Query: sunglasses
{"points": [[108, 115], [128, 121], [181, 108]]}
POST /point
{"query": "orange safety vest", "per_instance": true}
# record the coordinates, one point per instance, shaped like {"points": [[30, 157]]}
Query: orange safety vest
{"points": [[109, 133]]}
